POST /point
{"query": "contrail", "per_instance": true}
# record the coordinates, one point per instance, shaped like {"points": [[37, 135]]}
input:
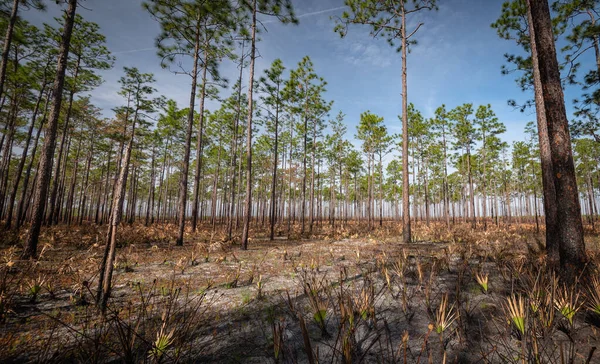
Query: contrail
{"points": [[134, 50], [321, 11], [311, 14]]}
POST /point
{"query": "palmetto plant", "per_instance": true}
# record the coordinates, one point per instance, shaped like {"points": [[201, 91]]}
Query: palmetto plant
{"points": [[482, 280], [445, 315], [593, 295], [315, 290], [161, 345], [515, 310], [568, 303], [444, 318], [35, 287]]}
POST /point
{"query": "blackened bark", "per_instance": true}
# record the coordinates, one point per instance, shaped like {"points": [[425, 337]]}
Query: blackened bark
{"points": [[550, 212], [570, 229]]}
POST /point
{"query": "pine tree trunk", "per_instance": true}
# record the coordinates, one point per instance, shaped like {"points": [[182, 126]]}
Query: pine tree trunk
{"points": [[45, 168], [406, 233], [305, 132], [275, 162], [311, 213], [550, 208], [71, 196], [426, 191], [483, 184], [7, 43], [213, 209], [570, 229], [291, 198], [83, 192], [53, 210], [107, 264], [23, 159], [7, 151], [151, 189], [183, 182], [106, 271], [380, 190], [199, 143], [471, 191], [24, 197], [234, 151], [248, 206]]}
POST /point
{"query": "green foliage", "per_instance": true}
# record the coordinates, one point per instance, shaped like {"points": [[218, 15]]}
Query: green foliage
{"points": [[87, 54], [190, 28], [383, 17]]}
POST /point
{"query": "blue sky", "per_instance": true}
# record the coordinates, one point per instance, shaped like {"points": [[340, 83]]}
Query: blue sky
{"points": [[457, 59]]}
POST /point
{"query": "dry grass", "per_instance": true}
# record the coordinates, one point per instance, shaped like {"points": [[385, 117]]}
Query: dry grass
{"points": [[344, 295]]}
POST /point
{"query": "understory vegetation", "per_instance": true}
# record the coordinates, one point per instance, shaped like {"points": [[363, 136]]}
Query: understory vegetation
{"points": [[347, 295]]}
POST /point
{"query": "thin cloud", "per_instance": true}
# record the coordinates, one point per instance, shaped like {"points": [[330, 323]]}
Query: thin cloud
{"points": [[361, 53]]}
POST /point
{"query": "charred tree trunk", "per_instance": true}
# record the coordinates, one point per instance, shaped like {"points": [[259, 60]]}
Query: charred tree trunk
{"points": [[550, 208], [570, 229]]}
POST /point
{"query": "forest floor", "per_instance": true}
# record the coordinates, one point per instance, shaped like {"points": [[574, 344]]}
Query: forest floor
{"points": [[345, 295]]}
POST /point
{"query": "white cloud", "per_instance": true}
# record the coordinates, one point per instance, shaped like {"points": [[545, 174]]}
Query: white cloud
{"points": [[367, 53]]}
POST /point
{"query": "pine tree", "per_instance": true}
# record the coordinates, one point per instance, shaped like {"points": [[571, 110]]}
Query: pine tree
{"points": [[442, 126], [489, 128], [465, 137], [570, 229], [515, 23], [271, 86], [388, 19]]}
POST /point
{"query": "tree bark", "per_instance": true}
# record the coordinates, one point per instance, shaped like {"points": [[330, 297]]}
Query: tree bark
{"points": [[54, 207], [199, 143], [234, 152], [183, 182], [406, 234], [275, 162], [106, 270], [550, 208], [471, 190], [7, 43], [248, 206], [570, 229], [45, 169], [151, 189]]}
